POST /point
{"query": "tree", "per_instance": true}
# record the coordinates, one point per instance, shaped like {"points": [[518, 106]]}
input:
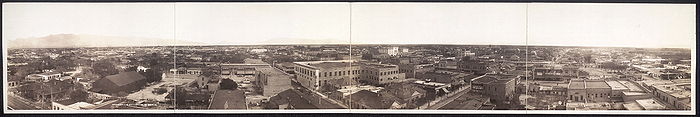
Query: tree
{"points": [[79, 95], [228, 84], [208, 72], [152, 75], [130, 69], [104, 68]]}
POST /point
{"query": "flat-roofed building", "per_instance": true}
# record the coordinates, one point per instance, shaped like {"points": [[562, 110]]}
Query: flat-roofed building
{"points": [[339, 73], [375, 73], [676, 95], [616, 90], [272, 81], [392, 51], [598, 91], [644, 104], [588, 91], [632, 96], [499, 87], [46, 76], [314, 74]]}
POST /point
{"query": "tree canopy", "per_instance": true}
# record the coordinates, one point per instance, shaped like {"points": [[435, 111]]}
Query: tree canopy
{"points": [[228, 84]]}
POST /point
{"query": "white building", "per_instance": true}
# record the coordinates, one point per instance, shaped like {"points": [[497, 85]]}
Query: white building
{"points": [[393, 51]]}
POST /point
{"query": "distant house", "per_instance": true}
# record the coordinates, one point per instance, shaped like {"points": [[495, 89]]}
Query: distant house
{"points": [[122, 82], [44, 76], [228, 99], [289, 99]]}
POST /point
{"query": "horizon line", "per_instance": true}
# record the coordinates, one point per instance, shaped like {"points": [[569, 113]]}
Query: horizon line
{"points": [[368, 44]]}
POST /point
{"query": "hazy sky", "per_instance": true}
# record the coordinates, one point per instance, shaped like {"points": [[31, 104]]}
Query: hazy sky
{"points": [[237, 23], [410, 23], [25, 20], [645, 25], [627, 25]]}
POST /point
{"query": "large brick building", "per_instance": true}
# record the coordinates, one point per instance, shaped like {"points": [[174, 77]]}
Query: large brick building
{"points": [[499, 87], [339, 73]]}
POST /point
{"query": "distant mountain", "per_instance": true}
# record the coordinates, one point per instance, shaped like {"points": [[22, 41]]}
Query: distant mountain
{"points": [[81, 40], [303, 41]]}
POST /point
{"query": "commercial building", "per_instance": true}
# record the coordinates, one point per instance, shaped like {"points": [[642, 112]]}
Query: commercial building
{"points": [[472, 65], [272, 81], [339, 73], [392, 51], [555, 73], [499, 87], [676, 95], [589, 91]]}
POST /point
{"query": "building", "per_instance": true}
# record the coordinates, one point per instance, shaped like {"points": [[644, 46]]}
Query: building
{"points": [[472, 66], [411, 70], [677, 95], [644, 104], [391, 51], [402, 95], [314, 74], [183, 70], [272, 81], [366, 100], [289, 99], [555, 73], [124, 82], [445, 76], [499, 87], [46, 76], [339, 73], [375, 73], [228, 99], [70, 105], [287, 67], [589, 91]]}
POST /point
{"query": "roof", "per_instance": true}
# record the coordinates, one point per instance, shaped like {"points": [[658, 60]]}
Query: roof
{"points": [[494, 78], [125, 78], [254, 61], [292, 98], [615, 85], [577, 84], [331, 64], [370, 99], [596, 84], [228, 99], [650, 104], [271, 71]]}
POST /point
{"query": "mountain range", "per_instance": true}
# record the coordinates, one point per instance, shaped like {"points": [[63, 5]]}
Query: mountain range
{"points": [[83, 40]]}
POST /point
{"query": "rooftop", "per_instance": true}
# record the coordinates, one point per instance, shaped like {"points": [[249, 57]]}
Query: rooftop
{"points": [[650, 104], [272, 72], [577, 84], [228, 99], [615, 85], [493, 78], [596, 84]]}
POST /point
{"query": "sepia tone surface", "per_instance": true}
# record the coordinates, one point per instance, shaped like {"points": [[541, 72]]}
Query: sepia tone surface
{"points": [[359, 56]]}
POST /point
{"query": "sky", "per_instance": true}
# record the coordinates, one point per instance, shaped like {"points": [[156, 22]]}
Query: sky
{"points": [[27, 20], [627, 25]]}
